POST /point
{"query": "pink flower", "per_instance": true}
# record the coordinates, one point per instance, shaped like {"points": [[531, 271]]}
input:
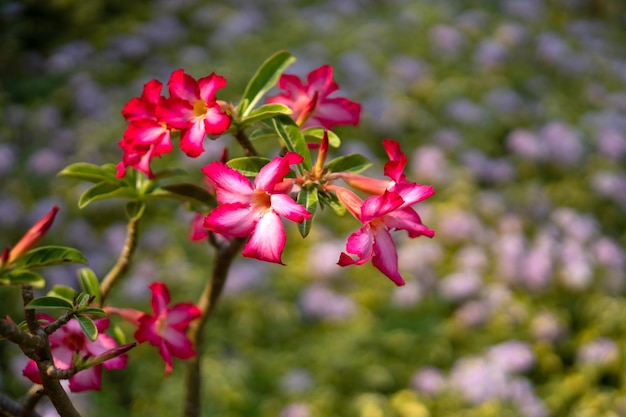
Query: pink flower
{"points": [[193, 109], [255, 210], [70, 340], [379, 215], [146, 136], [166, 328], [310, 102]]}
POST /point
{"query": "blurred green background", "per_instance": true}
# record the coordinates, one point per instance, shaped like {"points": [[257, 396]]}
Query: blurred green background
{"points": [[515, 111]]}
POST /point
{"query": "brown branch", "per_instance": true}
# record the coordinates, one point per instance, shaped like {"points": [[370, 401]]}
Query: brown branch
{"points": [[11, 408], [246, 145], [10, 331], [124, 261], [30, 400], [42, 357], [207, 303]]}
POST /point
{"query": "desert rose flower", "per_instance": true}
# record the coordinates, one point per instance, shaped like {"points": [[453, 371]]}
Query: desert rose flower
{"points": [[310, 101], [379, 215], [254, 210], [146, 137], [69, 340], [166, 328], [193, 109]]}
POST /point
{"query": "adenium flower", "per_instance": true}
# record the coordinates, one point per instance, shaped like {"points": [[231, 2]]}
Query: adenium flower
{"points": [[255, 210], [166, 328], [193, 109], [146, 136], [68, 341], [310, 101], [30, 238], [379, 214]]}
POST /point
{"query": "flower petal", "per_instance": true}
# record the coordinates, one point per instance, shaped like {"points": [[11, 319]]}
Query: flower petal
{"points": [[379, 205], [178, 344], [413, 193], [87, 379], [385, 256], [209, 85], [181, 314], [192, 139], [183, 86], [231, 220], [407, 219], [360, 244], [160, 297], [216, 122], [336, 111], [268, 239], [31, 372], [286, 207], [230, 185], [271, 174]]}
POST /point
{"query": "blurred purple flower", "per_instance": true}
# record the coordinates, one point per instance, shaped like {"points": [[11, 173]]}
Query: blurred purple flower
{"points": [[428, 380], [460, 285], [296, 410], [512, 356], [546, 327], [602, 352], [446, 40], [320, 302], [296, 381], [612, 143]]}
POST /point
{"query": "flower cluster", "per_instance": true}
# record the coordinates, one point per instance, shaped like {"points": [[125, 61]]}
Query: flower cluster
{"points": [[191, 108]]}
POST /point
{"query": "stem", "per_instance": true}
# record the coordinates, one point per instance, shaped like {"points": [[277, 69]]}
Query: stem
{"points": [[123, 262], [12, 408], [207, 303], [42, 356], [34, 394], [246, 145]]}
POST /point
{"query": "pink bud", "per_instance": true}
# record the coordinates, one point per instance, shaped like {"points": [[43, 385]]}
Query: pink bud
{"points": [[34, 235]]}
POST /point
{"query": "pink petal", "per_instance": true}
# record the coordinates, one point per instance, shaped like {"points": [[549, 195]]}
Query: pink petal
{"points": [[177, 113], [167, 357], [209, 85], [178, 343], [137, 109], [272, 174], [181, 314], [292, 84], [152, 91], [183, 86], [336, 111], [321, 80], [268, 239], [216, 122], [286, 207], [230, 185], [145, 131], [192, 139], [160, 297], [385, 256], [147, 331], [413, 193], [360, 244], [231, 220], [407, 219], [31, 372], [130, 315], [379, 205], [87, 379]]}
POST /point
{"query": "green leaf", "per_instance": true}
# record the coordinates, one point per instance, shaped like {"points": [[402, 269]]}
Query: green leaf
{"points": [[333, 202], [263, 80], [189, 192], [266, 111], [317, 133], [308, 198], [118, 334], [262, 134], [88, 327], [50, 255], [104, 190], [354, 163], [293, 139], [22, 277], [50, 303], [64, 292], [95, 313], [248, 166], [82, 300], [90, 172], [89, 283]]}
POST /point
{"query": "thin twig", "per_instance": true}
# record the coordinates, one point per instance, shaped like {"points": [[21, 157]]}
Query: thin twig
{"points": [[207, 303], [124, 261]]}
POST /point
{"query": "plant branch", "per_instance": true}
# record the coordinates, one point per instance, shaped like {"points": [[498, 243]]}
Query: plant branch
{"points": [[42, 357], [207, 303], [246, 145], [11, 408], [34, 394], [10, 331], [123, 263]]}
